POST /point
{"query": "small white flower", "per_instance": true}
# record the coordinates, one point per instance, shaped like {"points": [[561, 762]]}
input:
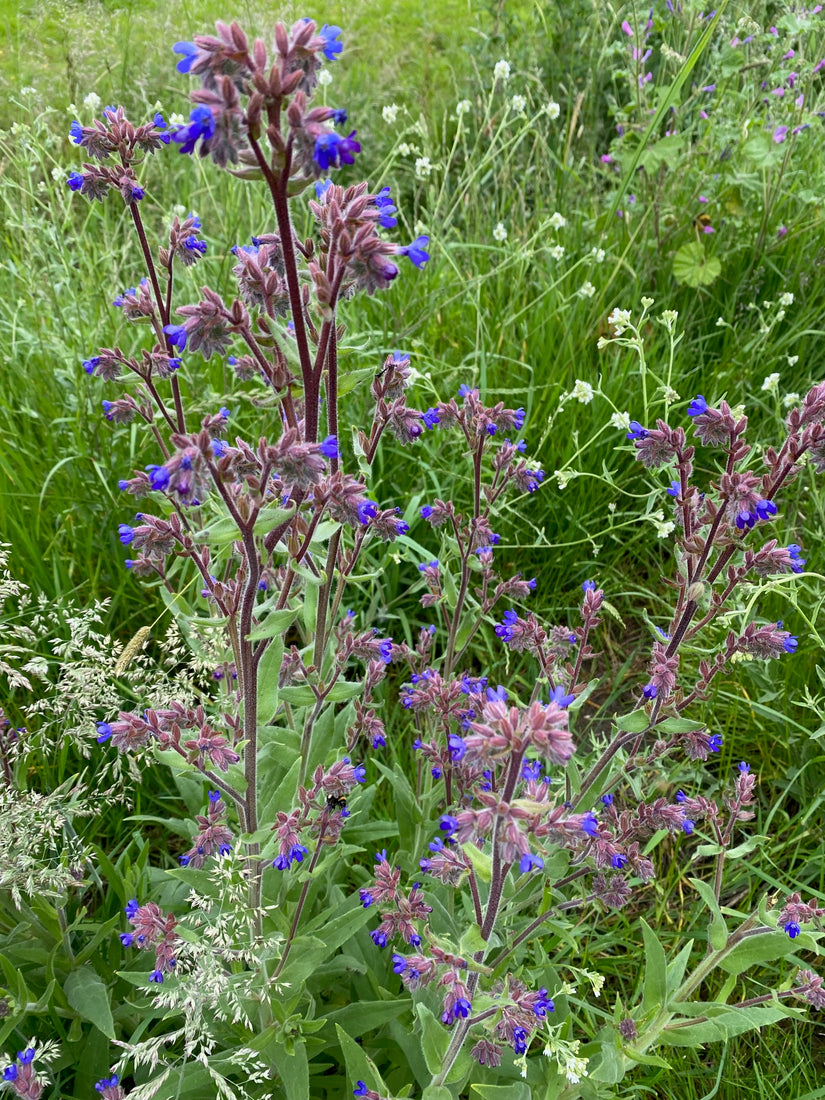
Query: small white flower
{"points": [[502, 70], [176, 119], [518, 103], [621, 421], [780, 313], [738, 411], [58, 174], [558, 221], [553, 110], [92, 101], [598, 254], [620, 318], [790, 399], [29, 90], [669, 317], [786, 299], [647, 302], [771, 382], [463, 107], [324, 77], [500, 232], [611, 507], [662, 526], [720, 322], [563, 477], [557, 251], [179, 209], [71, 109], [792, 360], [420, 229], [404, 149], [602, 342], [390, 113], [582, 391], [423, 168], [586, 290]]}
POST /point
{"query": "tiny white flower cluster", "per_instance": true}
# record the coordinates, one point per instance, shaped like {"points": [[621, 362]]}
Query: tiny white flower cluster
{"points": [[500, 232], [598, 254], [669, 318], [463, 107], [566, 1053], [91, 101], [423, 168], [502, 70], [582, 391], [390, 113], [324, 78], [553, 110], [771, 382], [620, 318], [518, 104], [586, 290], [557, 221], [564, 477], [557, 251], [621, 421], [662, 526]]}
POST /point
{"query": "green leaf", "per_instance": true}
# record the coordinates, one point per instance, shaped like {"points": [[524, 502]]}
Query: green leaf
{"points": [[717, 929], [436, 1092], [364, 1016], [434, 1038], [360, 1067], [693, 268], [665, 151], [481, 861], [635, 722], [293, 1069], [655, 985], [86, 992], [275, 624], [646, 1059], [763, 151], [269, 670], [516, 1090], [756, 950], [724, 1022]]}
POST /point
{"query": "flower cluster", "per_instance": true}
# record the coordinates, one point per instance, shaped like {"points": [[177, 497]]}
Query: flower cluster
{"points": [[153, 931]]}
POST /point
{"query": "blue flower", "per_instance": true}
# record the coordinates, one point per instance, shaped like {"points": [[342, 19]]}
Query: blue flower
{"points": [[588, 586], [765, 509], [329, 448], [378, 937], [10, 1073], [192, 244], [385, 650], [519, 1040], [367, 510], [361, 1089], [462, 1007], [529, 861], [333, 150], [618, 861], [159, 122], [606, 799], [715, 742], [790, 644], [797, 561], [332, 47], [793, 929], [637, 431], [543, 1005], [322, 186], [90, 365], [176, 335], [688, 826], [131, 908], [126, 938], [359, 774], [650, 691], [743, 767], [158, 476], [75, 181], [399, 964], [448, 824], [104, 732], [339, 116], [125, 533], [533, 478], [697, 406], [518, 419], [681, 796], [456, 746], [426, 511], [416, 252], [107, 1083], [387, 208], [590, 824], [675, 489], [76, 132], [188, 52], [531, 770], [156, 976], [201, 127], [560, 698]]}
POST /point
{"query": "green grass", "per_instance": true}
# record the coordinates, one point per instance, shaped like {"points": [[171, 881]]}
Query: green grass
{"points": [[505, 315]]}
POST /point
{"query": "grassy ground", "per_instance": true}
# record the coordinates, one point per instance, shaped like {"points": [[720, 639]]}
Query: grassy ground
{"points": [[510, 315]]}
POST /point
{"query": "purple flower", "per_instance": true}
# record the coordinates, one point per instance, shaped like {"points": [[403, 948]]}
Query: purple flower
{"points": [[559, 697], [104, 732], [675, 489], [387, 208], [448, 824], [790, 644], [426, 511], [529, 861], [75, 181], [201, 127], [618, 861], [606, 799], [779, 134], [125, 533], [715, 742], [378, 938], [361, 1088], [636, 431], [332, 150], [688, 826], [188, 52], [590, 824], [158, 476], [797, 562], [793, 929], [76, 132], [650, 691], [697, 406], [329, 447], [416, 252], [332, 47], [367, 510], [431, 418], [176, 335], [156, 976]]}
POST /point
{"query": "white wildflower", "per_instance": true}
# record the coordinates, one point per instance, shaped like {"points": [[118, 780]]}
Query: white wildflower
{"points": [[179, 209], [738, 411], [423, 168], [792, 360], [780, 314], [582, 391], [647, 302], [621, 421], [463, 107], [58, 174], [28, 90], [596, 981], [420, 229], [557, 251], [669, 317], [670, 395], [390, 113], [598, 254], [611, 507], [518, 104], [558, 221], [662, 526], [404, 149], [620, 318], [502, 70], [91, 101], [176, 119], [586, 290], [771, 382], [786, 299], [602, 342], [721, 322], [553, 110], [500, 232], [790, 399], [563, 477], [324, 77]]}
